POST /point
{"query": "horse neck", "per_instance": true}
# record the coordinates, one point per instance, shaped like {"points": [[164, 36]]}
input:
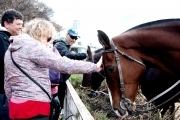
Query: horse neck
{"points": [[146, 45]]}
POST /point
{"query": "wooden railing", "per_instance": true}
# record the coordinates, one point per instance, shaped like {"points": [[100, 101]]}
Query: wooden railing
{"points": [[74, 109]]}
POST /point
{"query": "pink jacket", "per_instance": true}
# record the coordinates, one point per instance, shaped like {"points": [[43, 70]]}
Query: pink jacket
{"points": [[34, 58]]}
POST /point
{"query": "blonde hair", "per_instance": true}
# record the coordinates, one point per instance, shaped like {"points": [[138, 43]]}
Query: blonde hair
{"points": [[38, 28]]}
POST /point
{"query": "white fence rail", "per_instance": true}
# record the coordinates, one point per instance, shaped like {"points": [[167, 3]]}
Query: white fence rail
{"points": [[74, 109]]}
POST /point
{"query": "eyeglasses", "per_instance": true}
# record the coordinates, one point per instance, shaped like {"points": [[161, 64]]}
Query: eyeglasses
{"points": [[73, 37], [49, 39]]}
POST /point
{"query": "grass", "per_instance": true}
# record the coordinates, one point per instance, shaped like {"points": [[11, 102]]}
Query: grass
{"points": [[76, 80]]}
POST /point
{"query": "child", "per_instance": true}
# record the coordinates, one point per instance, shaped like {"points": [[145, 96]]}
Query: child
{"points": [[54, 77]]}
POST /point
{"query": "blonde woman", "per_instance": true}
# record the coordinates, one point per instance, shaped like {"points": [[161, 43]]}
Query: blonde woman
{"points": [[26, 99]]}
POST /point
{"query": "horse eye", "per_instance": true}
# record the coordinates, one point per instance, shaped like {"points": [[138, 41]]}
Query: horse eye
{"points": [[110, 69]]}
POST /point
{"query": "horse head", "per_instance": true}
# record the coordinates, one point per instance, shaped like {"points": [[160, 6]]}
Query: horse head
{"points": [[143, 55], [122, 87], [87, 77], [93, 80]]}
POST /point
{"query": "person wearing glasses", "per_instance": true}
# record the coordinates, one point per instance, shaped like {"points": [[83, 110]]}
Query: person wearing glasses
{"points": [[63, 45]]}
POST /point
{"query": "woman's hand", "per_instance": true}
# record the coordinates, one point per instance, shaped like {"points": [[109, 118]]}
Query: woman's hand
{"points": [[99, 65]]}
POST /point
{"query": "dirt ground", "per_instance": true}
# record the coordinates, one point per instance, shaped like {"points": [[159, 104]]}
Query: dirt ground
{"points": [[99, 106]]}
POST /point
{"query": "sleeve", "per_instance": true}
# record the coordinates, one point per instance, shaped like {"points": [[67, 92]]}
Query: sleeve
{"points": [[7, 87], [4, 44], [64, 51], [4, 39], [42, 56]]}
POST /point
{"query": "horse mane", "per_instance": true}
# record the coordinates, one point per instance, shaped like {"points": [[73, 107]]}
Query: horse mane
{"points": [[98, 50], [154, 23]]}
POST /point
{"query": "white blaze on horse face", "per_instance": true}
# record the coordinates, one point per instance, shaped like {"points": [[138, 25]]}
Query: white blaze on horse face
{"points": [[134, 106], [116, 111], [110, 96]]}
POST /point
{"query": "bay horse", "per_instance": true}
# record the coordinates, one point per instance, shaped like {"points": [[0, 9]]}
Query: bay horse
{"points": [[152, 78], [127, 57]]}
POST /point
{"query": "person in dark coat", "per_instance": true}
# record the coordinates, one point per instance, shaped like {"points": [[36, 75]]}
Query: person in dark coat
{"points": [[11, 24], [63, 45]]}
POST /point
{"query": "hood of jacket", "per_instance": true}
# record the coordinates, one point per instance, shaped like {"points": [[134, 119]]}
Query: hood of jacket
{"points": [[16, 42], [3, 29]]}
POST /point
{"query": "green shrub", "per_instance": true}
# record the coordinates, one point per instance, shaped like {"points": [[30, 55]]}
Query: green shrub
{"points": [[76, 80]]}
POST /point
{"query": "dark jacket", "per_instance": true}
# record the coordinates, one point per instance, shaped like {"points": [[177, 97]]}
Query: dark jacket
{"points": [[64, 49], [4, 43]]}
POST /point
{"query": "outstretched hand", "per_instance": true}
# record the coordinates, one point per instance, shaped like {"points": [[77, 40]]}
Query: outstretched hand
{"points": [[99, 65]]}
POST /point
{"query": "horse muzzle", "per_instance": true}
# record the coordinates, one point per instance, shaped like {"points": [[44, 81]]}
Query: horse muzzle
{"points": [[121, 113], [126, 107]]}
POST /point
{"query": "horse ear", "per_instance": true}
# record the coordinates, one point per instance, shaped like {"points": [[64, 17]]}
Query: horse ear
{"points": [[103, 39], [89, 52]]}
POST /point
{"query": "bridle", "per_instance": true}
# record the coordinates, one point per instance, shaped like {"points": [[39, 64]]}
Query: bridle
{"points": [[126, 103]]}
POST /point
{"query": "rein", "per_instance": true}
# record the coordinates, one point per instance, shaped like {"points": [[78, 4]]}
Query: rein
{"points": [[156, 97], [161, 94], [101, 75], [98, 92]]}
